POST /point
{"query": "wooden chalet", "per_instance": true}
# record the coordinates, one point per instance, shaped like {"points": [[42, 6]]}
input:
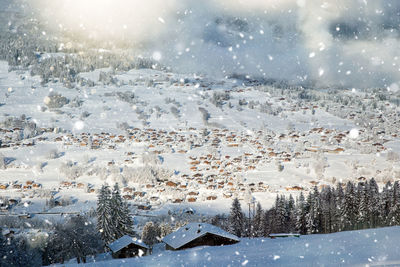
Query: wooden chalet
{"points": [[198, 234], [127, 247], [281, 235]]}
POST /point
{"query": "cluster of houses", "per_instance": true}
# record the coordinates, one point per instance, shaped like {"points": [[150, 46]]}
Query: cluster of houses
{"points": [[209, 176], [11, 137], [19, 186]]}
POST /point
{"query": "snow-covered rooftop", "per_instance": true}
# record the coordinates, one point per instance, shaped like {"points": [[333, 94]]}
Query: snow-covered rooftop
{"points": [[124, 241], [193, 231]]}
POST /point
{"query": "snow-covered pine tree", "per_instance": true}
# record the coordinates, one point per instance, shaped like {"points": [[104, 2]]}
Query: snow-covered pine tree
{"points": [[317, 210], [394, 213], [385, 204], [363, 215], [396, 193], [266, 222], [257, 221], [339, 197], [301, 225], [374, 203], [350, 207], [236, 219], [122, 221], [290, 214], [280, 215], [105, 221], [327, 201], [310, 206], [333, 206]]}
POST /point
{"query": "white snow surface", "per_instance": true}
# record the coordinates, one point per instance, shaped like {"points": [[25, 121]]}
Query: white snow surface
{"points": [[193, 231], [373, 247]]}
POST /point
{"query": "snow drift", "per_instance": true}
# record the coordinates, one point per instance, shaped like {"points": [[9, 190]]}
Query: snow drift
{"points": [[331, 42], [372, 247]]}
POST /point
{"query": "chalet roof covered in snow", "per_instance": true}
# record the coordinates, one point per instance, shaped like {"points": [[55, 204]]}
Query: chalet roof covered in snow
{"points": [[193, 231], [124, 241]]}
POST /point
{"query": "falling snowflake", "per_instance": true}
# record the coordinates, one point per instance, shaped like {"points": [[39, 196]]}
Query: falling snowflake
{"points": [[79, 125], [157, 56], [354, 133]]}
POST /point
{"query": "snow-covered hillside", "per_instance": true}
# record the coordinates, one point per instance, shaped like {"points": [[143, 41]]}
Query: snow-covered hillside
{"points": [[182, 139], [374, 247], [189, 106]]}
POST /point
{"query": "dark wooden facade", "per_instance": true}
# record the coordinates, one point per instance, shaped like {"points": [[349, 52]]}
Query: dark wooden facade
{"points": [[132, 250], [206, 240]]}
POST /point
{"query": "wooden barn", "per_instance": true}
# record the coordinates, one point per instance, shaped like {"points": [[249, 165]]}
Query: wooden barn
{"points": [[127, 247], [198, 234], [280, 235]]}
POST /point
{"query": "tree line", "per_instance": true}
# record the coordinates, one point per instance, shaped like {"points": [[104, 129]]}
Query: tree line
{"points": [[351, 206]]}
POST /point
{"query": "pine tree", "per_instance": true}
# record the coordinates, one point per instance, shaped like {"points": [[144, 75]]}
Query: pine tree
{"points": [[120, 214], [363, 218], [236, 219], [266, 222], [333, 211], [318, 223], [116, 212], [279, 220], [339, 197], [290, 215], [385, 204], [328, 209], [396, 193], [257, 221], [301, 225], [310, 223], [394, 213], [350, 208], [105, 222], [374, 203]]}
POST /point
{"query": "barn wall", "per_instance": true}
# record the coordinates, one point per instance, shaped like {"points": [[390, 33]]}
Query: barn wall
{"points": [[128, 252], [209, 240]]}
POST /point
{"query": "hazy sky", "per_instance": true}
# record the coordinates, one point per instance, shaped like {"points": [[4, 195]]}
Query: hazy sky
{"points": [[342, 42]]}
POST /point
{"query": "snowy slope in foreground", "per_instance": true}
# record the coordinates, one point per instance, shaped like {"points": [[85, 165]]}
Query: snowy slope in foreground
{"points": [[365, 248]]}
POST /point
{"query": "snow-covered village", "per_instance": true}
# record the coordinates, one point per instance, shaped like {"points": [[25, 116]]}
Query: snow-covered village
{"points": [[199, 133]]}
